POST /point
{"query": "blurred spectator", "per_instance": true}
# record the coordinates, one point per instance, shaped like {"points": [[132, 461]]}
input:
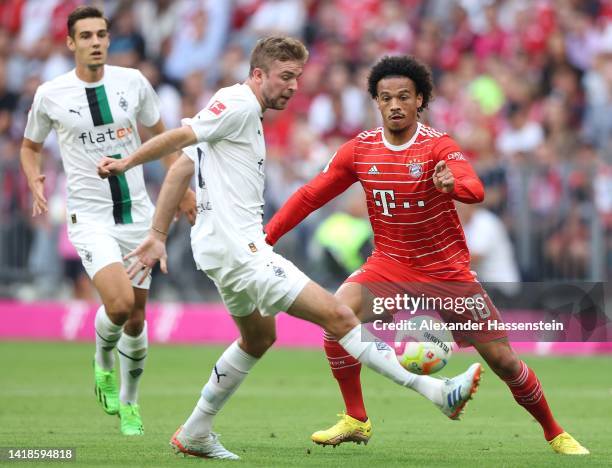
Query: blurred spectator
{"points": [[567, 248], [338, 110], [486, 90], [597, 125], [581, 39], [169, 96], [8, 100], [198, 43], [520, 135], [602, 187], [234, 66], [545, 187], [127, 45], [15, 212], [560, 133], [194, 92], [391, 29], [493, 40], [490, 169], [36, 19], [276, 17], [10, 15], [164, 15], [58, 62], [492, 255]]}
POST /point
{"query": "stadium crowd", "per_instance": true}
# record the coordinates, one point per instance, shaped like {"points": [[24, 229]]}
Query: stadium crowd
{"points": [[524, 86]]}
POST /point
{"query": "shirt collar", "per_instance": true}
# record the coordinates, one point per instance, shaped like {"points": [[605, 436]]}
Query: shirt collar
{"points": [[405, 145]]}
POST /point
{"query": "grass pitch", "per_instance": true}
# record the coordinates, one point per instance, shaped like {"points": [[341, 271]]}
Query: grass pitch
{"points": [[47, 400]]}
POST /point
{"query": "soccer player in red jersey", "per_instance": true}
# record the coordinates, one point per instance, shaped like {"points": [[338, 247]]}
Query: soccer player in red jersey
{"points": [[411, 175]]}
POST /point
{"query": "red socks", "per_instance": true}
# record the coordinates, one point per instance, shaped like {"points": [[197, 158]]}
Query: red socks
{"points": [[527, 392], [346, 369], [525, 388]]}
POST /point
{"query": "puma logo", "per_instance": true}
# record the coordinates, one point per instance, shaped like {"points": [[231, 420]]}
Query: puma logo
{"points": [[72, 111], [219, 375]]}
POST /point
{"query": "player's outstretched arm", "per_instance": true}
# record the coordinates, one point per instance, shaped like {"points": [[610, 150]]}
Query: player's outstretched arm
{"points": [[335, 178], [187, 205], [153, 248], [31, 162], [155, 148]]}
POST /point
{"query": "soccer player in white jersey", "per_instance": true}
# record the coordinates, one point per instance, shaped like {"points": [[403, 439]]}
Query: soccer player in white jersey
{"points": [[95, 109], [225, 149]]}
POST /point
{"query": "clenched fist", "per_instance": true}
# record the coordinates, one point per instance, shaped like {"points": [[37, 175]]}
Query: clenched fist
{"points": [[111, 167]]}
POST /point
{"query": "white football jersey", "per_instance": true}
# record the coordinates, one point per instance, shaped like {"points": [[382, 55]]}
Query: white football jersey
{"points": [[229, 170], [93, 120]]}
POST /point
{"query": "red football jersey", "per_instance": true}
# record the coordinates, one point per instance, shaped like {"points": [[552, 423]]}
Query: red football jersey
{"points": [[413, 222]]}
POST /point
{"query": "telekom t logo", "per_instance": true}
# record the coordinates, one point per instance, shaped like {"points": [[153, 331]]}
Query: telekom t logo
{"points": [[387, 200]]}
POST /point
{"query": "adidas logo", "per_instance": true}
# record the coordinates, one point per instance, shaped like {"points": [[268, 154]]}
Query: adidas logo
{"points": [[373, 170], [454, 397]]}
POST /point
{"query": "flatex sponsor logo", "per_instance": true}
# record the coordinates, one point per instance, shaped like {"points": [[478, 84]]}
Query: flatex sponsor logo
{"points": [[109, 134]]}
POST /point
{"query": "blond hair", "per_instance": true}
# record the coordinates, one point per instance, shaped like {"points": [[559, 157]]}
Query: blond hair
{"points": [[281, 48]]}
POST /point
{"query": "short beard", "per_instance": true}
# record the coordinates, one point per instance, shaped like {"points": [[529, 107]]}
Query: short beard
{"points": [[398, 131], [270, 104]]}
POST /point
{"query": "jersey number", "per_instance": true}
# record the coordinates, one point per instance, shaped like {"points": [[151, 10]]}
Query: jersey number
{"points": [[480, 313]]}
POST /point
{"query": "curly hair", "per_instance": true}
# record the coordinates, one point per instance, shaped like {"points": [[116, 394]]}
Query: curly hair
{"points": [[406, 66]]}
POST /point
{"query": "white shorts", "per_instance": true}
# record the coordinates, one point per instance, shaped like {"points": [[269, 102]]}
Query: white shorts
{"points": [[100, 245], [268, 282]]}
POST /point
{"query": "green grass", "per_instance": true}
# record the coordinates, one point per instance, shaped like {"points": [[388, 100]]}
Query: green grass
{"points": [[46, 400]]}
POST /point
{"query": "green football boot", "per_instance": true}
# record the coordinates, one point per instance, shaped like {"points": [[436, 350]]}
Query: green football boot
{"points": [[131, 422], [106, 389]]}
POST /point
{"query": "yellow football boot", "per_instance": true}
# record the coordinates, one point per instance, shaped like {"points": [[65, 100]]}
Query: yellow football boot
{"points": [[567, 445], [348, 429]]}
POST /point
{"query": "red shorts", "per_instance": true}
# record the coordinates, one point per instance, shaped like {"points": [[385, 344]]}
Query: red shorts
{"points": [[385, 277]]}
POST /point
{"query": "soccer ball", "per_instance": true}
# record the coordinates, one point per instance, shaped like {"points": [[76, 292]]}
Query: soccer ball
{"points": [[423, 350]]}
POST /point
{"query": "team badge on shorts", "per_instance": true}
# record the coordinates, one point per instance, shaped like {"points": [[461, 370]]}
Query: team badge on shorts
{"points": [[415, 169], [87, 255], [278, 271]]}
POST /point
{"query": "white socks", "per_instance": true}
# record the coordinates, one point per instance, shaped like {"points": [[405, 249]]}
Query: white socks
{"points": [[227, 375], [234, 365], [132, 356], [107, 335], [381, 358]]}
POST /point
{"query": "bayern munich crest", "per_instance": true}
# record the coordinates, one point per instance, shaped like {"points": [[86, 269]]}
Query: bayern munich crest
{"points": [[415, 169]]}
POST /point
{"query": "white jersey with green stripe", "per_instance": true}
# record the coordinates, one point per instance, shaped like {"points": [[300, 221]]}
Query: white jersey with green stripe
{"points": [[93, 120]]}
